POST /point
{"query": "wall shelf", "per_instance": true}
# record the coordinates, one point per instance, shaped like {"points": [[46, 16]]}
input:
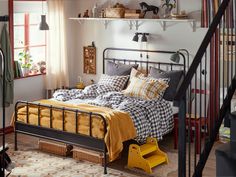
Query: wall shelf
{"points": [[136, 23]]}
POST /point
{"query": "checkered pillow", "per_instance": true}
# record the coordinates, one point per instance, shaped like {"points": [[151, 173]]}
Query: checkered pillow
{"points": [[146, 88], [118, 82]]}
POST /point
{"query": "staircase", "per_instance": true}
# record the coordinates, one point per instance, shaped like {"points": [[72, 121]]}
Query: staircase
{"points": [[212, 70], [226, 153]]}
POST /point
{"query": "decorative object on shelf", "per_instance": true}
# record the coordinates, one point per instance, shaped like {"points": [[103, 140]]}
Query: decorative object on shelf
{"points": [[168, 5], [182, 15], [79, 15], [147, 8], [42, 67], [86, 14], [102, 13], [90, 60], [43, 24], [143, 39], [80, 83], [95, 11], [117, 11], [133, 13]]}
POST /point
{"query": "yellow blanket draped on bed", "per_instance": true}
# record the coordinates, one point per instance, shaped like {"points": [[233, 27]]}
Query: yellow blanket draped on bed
{"points": [[120, 126]]}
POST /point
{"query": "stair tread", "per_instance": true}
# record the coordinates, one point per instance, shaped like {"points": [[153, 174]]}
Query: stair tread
{"points": [[147, 148], [155, 160]]}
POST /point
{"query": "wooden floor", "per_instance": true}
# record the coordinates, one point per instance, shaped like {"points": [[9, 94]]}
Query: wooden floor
{"points": [[209, 171]]}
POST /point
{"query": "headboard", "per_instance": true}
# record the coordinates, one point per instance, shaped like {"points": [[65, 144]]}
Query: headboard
{"points": [[147, 62]]}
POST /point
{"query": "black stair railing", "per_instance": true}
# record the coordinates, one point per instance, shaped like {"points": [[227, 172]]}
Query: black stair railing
{"points": [[205, 95]]}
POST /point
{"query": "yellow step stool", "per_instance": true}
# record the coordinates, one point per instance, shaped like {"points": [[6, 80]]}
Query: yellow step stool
{"points": [[146, 156]]}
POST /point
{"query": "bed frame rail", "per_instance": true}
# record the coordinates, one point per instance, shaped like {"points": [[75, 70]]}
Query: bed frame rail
{"points": [[78, 139]]}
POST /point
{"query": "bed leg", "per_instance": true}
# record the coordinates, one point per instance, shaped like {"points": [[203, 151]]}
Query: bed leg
{"points": [[16, 141], [105, 160]]}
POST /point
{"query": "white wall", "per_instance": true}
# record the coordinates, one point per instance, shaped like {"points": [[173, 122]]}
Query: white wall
{"points": [[28, 89], [118, 34]]}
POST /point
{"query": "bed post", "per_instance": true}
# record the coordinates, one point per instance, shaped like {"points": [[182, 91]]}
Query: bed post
{"points": [[16, 141], [105, 159], [15, 132]]}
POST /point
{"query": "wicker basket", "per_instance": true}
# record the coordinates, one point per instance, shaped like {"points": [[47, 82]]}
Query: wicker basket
{"points": [[55, 148], [88, 155], [115, 12]]}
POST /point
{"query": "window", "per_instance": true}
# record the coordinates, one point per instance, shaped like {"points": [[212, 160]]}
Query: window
{"points": [[29, 42]]}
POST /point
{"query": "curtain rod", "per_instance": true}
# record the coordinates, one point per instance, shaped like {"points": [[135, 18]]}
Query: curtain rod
{"points": [[4, 18]]}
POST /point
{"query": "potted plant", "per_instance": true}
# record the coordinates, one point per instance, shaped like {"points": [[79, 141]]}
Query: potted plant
{"points": [[168, 5], [25, 61]]}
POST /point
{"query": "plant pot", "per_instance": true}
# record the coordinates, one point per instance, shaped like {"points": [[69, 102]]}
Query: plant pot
{"points": [[25, 71]]}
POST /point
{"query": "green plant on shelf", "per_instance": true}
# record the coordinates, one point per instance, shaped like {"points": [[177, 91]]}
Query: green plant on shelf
{"points": [[25, 59], [169, 4]]}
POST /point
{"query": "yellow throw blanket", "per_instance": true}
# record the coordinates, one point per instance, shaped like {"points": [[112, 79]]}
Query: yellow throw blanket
{"points": [[120, 126]]}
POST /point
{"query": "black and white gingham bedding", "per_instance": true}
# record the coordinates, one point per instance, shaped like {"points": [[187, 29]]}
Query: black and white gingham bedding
{"points": [[151, 117]]}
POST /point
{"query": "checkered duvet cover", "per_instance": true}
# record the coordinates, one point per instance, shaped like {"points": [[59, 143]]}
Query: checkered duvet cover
{"points": [[151, 117]]}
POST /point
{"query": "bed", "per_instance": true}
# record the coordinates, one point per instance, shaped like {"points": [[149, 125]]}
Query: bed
{"points": [[106, 117]]}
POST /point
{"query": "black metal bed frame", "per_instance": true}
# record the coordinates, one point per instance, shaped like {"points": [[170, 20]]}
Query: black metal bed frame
{"points": [[76, 138]]}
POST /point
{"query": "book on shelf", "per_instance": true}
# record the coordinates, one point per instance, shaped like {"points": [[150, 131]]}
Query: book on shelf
{"points": [[17, 70]]}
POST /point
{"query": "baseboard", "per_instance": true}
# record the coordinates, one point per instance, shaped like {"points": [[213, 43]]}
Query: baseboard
{"points": [[8, 130]]}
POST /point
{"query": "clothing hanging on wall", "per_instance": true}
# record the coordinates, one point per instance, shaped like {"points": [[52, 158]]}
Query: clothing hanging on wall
{"points": [[9, 82]]}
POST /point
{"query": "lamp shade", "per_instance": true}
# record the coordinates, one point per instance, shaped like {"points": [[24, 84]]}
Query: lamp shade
{"points": [[144, 38], [43, 24], [136, 38], [175, 57]]}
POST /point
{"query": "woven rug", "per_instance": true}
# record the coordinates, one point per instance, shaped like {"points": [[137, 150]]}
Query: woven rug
{"points": [[34, 163]]}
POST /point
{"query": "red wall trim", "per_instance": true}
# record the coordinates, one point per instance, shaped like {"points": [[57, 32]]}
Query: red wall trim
{"points": [[11, 31], [8, 130]]}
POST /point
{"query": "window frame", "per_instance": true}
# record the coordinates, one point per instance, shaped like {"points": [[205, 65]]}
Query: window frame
{"points": [[11, 33]]}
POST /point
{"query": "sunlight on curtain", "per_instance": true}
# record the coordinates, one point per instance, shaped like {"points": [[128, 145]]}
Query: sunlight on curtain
{"points": [[57, 67]]}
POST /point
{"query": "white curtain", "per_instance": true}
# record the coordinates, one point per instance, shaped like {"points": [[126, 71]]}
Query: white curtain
{"points": [[57, 66]]}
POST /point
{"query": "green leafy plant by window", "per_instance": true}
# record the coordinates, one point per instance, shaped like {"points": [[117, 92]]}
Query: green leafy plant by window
{"points": [[25, 59]]}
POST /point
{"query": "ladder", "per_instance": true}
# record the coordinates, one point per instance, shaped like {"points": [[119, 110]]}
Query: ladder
{"points": [[146, 156]]}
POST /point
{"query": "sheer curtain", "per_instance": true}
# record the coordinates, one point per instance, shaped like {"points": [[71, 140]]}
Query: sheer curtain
{"points": [[57, 66]]}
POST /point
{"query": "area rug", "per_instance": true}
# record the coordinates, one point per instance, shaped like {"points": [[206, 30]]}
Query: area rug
{"points": [[34, 163]]}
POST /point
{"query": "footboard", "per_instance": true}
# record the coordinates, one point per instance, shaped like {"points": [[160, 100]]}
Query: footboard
{"points": [[76, 138]]}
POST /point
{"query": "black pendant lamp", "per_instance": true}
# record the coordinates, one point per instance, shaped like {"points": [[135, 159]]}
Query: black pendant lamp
{"points": [[43, 24]]}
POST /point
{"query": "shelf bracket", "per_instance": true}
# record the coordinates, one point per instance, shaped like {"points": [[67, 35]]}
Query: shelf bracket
{"points": [[163, 25], [193, 25], [137, 24], [80, 22], [106, 22], [130, 23]]}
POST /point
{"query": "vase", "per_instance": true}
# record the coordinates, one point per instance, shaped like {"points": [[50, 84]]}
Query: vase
{"points": [[167, 12], [25, 71]]}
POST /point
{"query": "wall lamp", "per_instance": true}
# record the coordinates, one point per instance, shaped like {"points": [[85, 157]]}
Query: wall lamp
{"points": [[143, 39], [176, 56]]}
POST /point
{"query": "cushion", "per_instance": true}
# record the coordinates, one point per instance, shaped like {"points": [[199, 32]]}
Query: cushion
{"points": [[119, 69], [146, 88], [136, 73], [117, 82], [174, 83]]}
